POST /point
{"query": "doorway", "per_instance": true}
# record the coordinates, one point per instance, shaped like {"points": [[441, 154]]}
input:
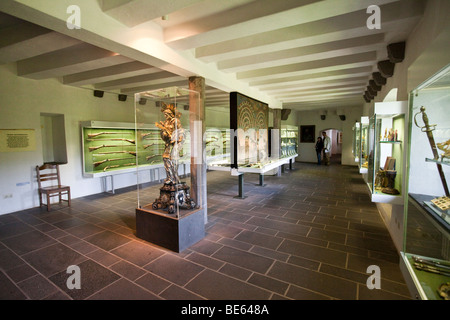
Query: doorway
{"points": [[336, 144]]}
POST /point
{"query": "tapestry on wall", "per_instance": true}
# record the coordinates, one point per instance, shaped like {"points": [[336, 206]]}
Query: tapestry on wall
{"points": [[249, 118]]}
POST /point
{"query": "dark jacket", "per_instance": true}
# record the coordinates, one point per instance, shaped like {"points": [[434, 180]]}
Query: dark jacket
{"points": [[319, 145]]}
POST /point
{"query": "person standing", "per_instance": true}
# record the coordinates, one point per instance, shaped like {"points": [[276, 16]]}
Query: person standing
{"points": [[319, 148], [326, 148]]}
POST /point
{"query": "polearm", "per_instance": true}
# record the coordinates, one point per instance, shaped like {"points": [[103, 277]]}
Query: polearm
{"points": [[429, 131], [129, 140], [93, 135]]}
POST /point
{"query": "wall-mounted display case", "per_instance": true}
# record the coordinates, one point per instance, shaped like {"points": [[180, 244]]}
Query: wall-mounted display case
{"points": [[356, 146], [108, 148], [425, 256], [289, 141], [363, 158], [386, 152]]}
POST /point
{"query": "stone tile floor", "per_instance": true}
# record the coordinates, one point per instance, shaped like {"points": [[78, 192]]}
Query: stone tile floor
{"points": [[308, 234]]}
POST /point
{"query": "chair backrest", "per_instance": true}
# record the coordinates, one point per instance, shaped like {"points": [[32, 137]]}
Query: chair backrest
{"points": [[48, 172]]}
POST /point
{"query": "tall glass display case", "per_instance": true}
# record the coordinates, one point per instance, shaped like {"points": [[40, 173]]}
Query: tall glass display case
{"points": [[386, 152], [289, 140], [363, 157], [170, 131], [426, 248], [356, 147]]}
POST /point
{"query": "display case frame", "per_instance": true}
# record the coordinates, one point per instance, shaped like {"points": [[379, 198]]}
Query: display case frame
{"points": [[289, 141], [356, 146], [387, 136], [363, 163], [102, 141], [425, 256], [173, 216]]}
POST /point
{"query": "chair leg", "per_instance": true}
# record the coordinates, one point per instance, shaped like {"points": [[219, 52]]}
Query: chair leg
{"points": [[68, 197], [48, 202]]}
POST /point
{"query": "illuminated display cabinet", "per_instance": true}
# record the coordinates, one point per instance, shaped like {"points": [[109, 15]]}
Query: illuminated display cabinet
{"points": [[169, 132], [425, 256], [363, 163], [289, 141], [108, 148], [386, 152], [356, 146]]}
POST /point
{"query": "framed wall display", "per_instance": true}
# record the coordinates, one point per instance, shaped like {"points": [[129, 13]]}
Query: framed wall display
{"points": [[249, 119], [307, 134], [108, 147]]}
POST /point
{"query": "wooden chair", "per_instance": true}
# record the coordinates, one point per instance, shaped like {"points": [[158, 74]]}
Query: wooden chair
{"points": [[49, 183]]}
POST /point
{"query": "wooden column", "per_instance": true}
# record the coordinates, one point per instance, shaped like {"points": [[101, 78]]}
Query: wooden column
{"points": [[197, 129]]}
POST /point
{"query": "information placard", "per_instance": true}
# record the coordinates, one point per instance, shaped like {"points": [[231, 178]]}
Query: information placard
{"points": [[16, 140]]}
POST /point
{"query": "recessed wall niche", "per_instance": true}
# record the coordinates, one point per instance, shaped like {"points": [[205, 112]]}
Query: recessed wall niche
{"points": [[53, 133]]}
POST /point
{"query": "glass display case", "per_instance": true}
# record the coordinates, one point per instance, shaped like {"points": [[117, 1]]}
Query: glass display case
{"points": [[170, 131], [163, 136], [386, 152], [356, 146], [363, 158], [218, 148], [108, 148], [426, 246], [289, 141]]}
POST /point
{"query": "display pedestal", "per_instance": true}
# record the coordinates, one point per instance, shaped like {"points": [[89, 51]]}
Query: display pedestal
{"points": [[176, 234]]}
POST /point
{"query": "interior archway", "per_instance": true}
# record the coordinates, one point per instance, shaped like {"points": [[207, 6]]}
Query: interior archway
{"points": [[336, 143]]}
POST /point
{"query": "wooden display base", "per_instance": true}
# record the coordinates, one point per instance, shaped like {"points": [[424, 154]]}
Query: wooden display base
{"points": [[162, 229]]}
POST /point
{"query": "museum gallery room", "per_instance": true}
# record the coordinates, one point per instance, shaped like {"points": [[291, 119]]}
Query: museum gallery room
{"points": [[209, 150]]}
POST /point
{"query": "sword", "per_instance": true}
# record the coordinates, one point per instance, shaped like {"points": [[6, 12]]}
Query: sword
{"points": [[429, 131]]}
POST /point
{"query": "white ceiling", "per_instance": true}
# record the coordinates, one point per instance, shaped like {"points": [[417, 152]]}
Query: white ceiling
{"points": [[304, 54]]}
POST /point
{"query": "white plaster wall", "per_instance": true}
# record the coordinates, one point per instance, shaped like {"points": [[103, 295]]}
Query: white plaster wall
{"points": [[307, 151], [21, 103]]}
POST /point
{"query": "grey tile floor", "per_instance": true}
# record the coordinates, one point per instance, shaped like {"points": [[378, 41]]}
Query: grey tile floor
{"points": [[308, 234]]}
